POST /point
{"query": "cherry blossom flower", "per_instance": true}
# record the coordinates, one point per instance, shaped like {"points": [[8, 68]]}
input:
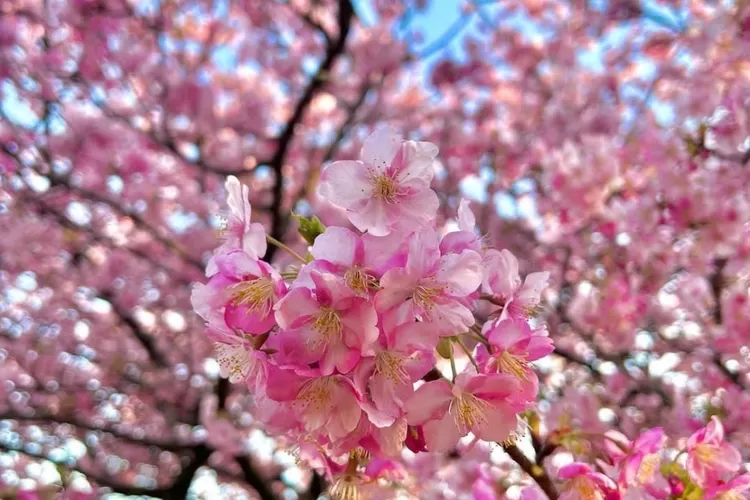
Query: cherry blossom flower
{"points": [[709, 456], [387, 378], [431, 288], [642, 464], [582, 483], [388, 187], [480, 404], [329, 324], [327, 404], [513, 346], [502, 281], [249, 288], [734, 489]]}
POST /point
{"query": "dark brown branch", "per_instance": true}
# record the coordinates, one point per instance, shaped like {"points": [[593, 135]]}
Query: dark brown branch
{"points": [[716, 280], [258, 483], [333, 51], [145, 339], [536, 471], [181, 484]]}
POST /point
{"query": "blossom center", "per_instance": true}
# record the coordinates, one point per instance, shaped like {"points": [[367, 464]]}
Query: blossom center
{"points": [[390, 365], [329, 327], [707, 453], [468, 411], [385, 188], [586, 489], [647, 468], [424, 295], [358, 280], [256, 294], [234, 361], [731, 495], [512, 364], [316, 393]]}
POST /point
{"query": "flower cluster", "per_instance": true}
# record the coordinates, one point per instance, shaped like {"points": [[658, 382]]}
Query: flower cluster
{"points": [[706, 468], [342, 353]]}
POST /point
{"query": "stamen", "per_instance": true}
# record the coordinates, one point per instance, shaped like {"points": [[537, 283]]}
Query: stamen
{"points": [[256, 294], [512, 364], [586, 489], [731, 495], [424, 295], [345, 488], [468, 411], [385, 188], [329, 328], [390, 365], [234, 361], [649, 465], [707, 453], [315, 393], [359, 281]]}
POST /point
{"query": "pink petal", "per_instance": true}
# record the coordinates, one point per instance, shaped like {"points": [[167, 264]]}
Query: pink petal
{"points": [[532, 288], [396, 286], [572, 470], [500, 273], [696, 470], [461, 272], [538, 347], [532, 493], [345, 183], [493, 387], [728, 458], [441, 435], [295, 308], [241, 318], [345, 414], [500, 422], [286, 384], [200, 297], [383, 394], [240, 265], [424, 253], [714, 431], [237, 198], [391, 438], [338, 245], [450, 317], [374, 216], [506, 333], [254, 240], [360, 324], [466, 220], [417, 165], [630, 469], [419, 208], [340, 357], [380, 148], [430, 401], [458, 241], [381, 252], [651, 441]]}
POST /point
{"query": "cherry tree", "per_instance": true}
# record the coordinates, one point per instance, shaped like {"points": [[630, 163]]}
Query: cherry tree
{"points": [[523, 249]]}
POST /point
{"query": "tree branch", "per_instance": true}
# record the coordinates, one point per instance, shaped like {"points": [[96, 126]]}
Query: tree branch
{"points": [[254, 479], [333, 51], [536, 471]]}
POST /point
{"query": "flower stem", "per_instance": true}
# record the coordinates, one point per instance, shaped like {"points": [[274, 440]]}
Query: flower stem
{"points": [[468, 353], [273, 241], [453, 365]]}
